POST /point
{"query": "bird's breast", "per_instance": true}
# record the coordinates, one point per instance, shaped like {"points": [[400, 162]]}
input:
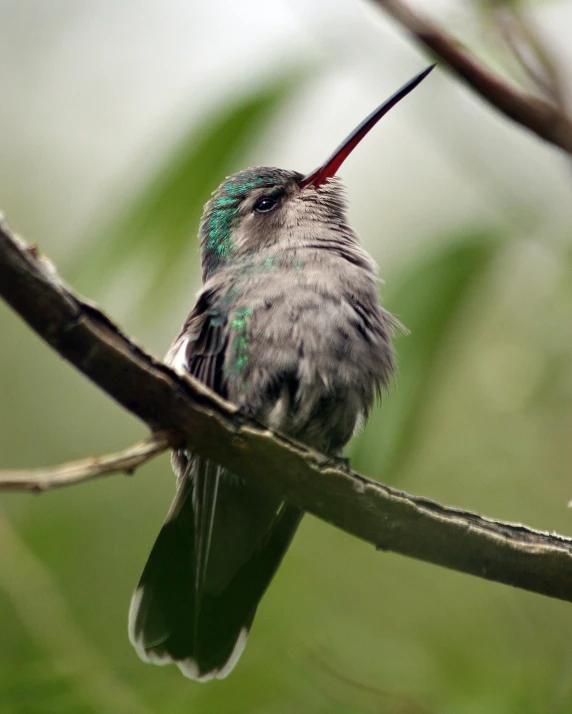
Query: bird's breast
{"points": [[308, 347]]}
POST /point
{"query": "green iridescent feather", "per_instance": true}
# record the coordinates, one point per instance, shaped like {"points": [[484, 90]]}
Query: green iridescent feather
{"points": [[239, 325], [223, 212]]}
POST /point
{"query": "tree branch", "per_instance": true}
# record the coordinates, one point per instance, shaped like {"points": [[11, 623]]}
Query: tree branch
{"points": [[127, 461], [546, 120], [387, 518]]}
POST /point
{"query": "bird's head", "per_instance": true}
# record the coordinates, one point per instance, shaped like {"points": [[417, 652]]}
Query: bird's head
{"points": [[264, 205]]}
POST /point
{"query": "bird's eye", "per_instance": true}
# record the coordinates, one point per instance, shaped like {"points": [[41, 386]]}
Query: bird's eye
{"points": [[265, 204]]}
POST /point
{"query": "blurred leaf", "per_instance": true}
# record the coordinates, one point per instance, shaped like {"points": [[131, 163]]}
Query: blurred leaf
{"points": [[161, 219], [37, 689], [429, 299], [491, 5]]}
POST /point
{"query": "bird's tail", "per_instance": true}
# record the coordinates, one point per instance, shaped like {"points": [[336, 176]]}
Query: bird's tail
{"points": [[196, 600]]}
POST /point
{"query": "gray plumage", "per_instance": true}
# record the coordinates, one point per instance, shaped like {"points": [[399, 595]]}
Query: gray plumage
{"points": [[289, 327]]}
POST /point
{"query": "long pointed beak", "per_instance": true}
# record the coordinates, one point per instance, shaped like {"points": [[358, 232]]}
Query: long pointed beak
{"points": [[330, 167]]}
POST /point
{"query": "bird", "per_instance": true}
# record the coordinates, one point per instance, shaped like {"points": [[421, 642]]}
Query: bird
{"points": [[289, 327]]}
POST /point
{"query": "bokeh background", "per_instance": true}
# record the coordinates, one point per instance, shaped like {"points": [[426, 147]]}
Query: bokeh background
{"points": [[117, 120]]}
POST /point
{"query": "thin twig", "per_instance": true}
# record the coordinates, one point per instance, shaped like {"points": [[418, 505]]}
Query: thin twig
{"points": [[545, 119], [553, 84], [211, 427], [511, 31], [127, 461]]}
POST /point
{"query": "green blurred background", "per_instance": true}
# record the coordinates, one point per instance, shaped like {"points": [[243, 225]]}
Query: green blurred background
{"points": [[117, 120]]}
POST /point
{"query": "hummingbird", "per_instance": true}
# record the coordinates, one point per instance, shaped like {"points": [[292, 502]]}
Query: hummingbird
{"points": [[289, 327]]}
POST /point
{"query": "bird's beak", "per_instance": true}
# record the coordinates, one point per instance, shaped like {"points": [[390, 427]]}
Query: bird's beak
{"points": [[330, 167]]}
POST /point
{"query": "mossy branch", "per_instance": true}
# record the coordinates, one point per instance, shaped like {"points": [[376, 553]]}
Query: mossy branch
{"points": [[184, 411]]}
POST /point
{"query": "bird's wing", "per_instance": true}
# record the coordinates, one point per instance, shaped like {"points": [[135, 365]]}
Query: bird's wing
{"points": [[220, 545], [199, 347], [199, 351]]}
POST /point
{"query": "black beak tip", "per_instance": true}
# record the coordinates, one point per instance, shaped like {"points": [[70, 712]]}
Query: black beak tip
{"points": [[330, 167]]}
